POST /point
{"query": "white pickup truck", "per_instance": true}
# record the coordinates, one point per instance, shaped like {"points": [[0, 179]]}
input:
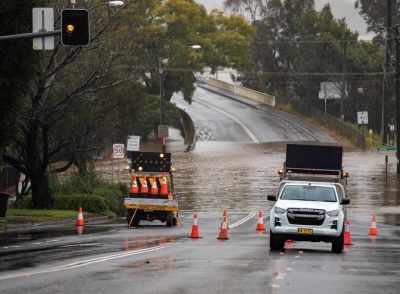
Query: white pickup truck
{"points": [[310, 202]]}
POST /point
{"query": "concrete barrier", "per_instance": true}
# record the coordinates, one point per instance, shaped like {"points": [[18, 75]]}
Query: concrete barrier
{"points": [[248, 93]]}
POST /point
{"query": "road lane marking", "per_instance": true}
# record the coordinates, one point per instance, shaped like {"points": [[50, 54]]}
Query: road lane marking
{"points": [[82, 263], [242, 221], [235, 119]]}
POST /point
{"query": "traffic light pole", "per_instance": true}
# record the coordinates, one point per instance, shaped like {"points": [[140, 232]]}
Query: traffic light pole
{"points": [[30, 35], [397, 84]]}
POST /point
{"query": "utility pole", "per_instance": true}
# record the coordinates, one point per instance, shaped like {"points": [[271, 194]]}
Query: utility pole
{"points": [[388, 47], [344, 69], [397, 83]]}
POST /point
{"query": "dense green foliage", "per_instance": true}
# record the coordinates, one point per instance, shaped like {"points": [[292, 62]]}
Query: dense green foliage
{"points": [[17, 64], [78, 101], [90, 193], [296, 48]]}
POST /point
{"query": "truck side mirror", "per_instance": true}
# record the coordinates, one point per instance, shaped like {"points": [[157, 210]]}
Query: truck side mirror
{"points": [[271, 197], [345, 201]]}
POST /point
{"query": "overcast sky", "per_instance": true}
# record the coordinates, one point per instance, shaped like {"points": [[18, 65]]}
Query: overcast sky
{"points": [[340, 8]]}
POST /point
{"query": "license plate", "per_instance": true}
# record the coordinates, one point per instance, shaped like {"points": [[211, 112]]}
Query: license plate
{"points": [[305, 231]]}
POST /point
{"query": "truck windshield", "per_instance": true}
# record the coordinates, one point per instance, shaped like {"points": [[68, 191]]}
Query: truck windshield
{"points": [[308, 193]]}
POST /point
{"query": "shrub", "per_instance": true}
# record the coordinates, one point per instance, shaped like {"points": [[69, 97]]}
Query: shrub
{"points": [[89, 202], [79, 184], [112, 195]]}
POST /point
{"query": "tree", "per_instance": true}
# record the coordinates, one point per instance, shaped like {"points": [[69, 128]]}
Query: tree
{"points": [[47, 132], [18, 64], [374, 13], [81, 98], [295, 48]]}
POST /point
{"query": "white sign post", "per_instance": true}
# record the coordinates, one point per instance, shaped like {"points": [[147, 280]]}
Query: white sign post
{"points": [[133, 143], [362, 117], [118, 153], [163, 131], [330, 90], [43, 21]]}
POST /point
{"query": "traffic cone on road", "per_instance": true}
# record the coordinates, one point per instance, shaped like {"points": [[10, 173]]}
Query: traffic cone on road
{"points": [[195, 228], [223, 231], [347, 234], [260, 223], [79, 219], [225, 217], [373, 231]]}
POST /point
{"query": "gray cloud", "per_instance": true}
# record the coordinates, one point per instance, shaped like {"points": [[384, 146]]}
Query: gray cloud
{"points": [[340, 8]]}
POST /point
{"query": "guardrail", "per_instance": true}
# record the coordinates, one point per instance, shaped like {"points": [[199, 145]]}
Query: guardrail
{"points": [[248, 93]]}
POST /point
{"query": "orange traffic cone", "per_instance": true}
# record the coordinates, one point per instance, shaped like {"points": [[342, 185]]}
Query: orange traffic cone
{"points": [[223, 232], [163, 186], [373, 231], [144, 189], [195, 228], [225, 217], [154, 187], [79, 219], [347, 234], [260, 224]]}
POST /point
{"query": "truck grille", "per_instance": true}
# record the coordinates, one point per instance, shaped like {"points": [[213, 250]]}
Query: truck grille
{"points": [[306, 216]]}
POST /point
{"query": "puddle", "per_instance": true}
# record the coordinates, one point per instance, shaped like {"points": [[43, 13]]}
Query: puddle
{"points": [[8, 238]]}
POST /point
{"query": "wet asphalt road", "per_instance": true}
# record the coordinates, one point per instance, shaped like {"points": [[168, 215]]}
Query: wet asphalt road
{"points": [[242, 264], [223, 172]]}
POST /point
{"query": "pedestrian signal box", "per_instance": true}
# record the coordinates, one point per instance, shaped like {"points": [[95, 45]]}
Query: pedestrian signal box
{"points": [[75, 27]]}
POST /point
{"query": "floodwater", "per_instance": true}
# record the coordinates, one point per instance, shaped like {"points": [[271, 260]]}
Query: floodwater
{"points": [[239, 176]]}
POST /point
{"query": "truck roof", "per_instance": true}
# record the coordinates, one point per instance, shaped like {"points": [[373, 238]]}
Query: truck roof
{"points": [[291, 182]]}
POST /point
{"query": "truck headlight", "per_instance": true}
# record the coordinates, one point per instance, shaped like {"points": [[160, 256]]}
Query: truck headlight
{"points": [[279, 210], [333, 213]]}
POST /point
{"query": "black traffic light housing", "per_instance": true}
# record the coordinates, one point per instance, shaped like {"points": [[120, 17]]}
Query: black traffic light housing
{"points": [[75, 27]]}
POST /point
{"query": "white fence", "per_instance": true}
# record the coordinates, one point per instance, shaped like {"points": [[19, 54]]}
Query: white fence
{"points": [[250, 94]]}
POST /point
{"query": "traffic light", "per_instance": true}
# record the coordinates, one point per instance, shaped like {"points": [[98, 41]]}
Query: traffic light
{"points": [[75, 27]]}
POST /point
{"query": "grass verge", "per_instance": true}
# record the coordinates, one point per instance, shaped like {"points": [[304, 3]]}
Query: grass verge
{"points": [[38, 215]]}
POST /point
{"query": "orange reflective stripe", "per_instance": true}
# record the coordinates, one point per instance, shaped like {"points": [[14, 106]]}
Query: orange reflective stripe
{"points": [[134, 186]]}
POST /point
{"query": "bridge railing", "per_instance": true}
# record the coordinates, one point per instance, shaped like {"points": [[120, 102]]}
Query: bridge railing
{"points": [[241, 91]]}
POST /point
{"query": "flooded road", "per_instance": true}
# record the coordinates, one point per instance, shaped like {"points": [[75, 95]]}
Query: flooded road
{"points": [[225, 171], [239, 176]]}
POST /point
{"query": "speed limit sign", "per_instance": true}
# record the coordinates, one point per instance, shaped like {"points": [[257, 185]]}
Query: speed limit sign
{"points": [[118, 151]]}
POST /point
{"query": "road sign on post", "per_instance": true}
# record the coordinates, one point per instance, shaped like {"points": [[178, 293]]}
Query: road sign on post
{"points": [[163, 131], [133, 143], [118, 151], [75, 27], [43, 21], [362, 117]]}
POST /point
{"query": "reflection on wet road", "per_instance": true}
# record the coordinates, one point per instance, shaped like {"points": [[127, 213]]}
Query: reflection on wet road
{"points": [[238, 176]]}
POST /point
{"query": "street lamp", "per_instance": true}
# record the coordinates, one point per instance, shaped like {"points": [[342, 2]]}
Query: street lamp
{"points": [[114, 4]]}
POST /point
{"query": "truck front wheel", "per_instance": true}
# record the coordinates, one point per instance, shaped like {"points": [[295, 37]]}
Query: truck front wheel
{"points": [[275, 242], [338, 243]]}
